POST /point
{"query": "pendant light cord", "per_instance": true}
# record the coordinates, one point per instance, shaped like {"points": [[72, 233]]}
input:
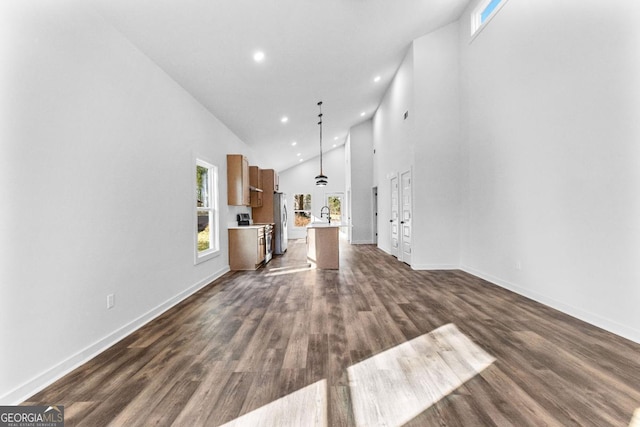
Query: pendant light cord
{"points": [[320, 123]]}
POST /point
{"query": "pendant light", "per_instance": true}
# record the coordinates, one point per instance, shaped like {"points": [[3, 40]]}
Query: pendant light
{"points": [[321, 180]]}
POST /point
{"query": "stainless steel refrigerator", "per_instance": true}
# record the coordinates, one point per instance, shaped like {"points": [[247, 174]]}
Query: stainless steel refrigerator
{"points": [[280, 218]]}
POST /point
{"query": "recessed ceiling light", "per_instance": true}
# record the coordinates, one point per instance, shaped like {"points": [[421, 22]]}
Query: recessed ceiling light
{"points": [[299, 154], [335, 139], [335, 145], [363, 114], [376, 79], [301, 160], [294, 143], [284, 119], [258, 56]]}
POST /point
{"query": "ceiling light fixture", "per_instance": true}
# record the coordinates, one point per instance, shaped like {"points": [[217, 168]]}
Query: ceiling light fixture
{"points": [[362, 114], [258, 56], [284, 119], [321, 180], [294, 143], [376, 79]]}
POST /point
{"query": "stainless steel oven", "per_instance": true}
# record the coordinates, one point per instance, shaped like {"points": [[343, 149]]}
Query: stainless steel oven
{"points": [[268, 235]]}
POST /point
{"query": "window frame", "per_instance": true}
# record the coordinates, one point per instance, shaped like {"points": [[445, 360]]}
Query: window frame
{"points": [[212, 209], [308, 211], [477, 24]]}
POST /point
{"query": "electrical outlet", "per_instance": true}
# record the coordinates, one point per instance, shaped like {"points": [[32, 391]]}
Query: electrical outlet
{"points": [[111, 301], [518, 265]]}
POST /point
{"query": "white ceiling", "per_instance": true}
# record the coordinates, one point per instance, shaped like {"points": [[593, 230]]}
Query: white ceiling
{"points": [[327, 50]]}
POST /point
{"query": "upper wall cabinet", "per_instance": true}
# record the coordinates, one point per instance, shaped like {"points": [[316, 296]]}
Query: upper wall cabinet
{"points": [[270, 180], [264, 213], [255, 183], [238, 188]]}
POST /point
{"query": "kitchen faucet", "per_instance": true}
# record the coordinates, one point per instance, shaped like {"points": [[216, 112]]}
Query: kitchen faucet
{"points": [[328, 213]]}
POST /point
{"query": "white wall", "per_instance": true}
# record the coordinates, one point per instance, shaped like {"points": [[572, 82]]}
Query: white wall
{"points": [[551, 94], [97, 173], [437, 150], [361, 171], [300, 180], [392, 142], [427, 142]]}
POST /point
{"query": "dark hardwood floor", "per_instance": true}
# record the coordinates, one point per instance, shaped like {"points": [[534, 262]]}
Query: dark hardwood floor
{"points": [[288, 337]]}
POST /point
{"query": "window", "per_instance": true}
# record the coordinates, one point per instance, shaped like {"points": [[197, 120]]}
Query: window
{"points": [[483, 13], [302, 209], [206, 228]]}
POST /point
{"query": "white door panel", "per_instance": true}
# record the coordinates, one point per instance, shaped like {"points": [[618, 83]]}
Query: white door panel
{"points": [[406, 207], [395, 236]]}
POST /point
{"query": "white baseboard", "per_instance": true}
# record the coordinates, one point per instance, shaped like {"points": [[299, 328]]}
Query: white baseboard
{"points": [[435, 266], [48, 377], [584, 315], [384, 249], [362, 242]]}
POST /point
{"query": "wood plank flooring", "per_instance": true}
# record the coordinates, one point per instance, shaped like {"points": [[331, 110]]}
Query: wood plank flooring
{"points": [[289, 345]]}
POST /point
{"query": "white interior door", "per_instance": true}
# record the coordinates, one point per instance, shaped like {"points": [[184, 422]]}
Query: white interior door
{"points": [[335, 202], [394, 221], [348, 214], [405, 219], [375, 215]]}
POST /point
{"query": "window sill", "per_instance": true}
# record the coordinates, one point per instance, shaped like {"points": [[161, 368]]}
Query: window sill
{"points": [[206, 256]]}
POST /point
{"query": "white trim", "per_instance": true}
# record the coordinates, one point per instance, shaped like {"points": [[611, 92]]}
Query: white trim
{"points": [[362, 242], [435, 267], [584, 315], [51, 375]]}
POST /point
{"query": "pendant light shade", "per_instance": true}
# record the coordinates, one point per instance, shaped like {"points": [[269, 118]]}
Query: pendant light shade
{"points": [[321, 179]]}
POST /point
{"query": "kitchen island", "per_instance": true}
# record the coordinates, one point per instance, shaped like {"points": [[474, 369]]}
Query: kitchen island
{"points": [[323, 248]]}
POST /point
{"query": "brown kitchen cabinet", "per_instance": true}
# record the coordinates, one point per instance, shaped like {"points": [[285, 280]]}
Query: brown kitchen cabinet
{"points": [[238, 187], [264, 213], [247, 247], [255, 183]]}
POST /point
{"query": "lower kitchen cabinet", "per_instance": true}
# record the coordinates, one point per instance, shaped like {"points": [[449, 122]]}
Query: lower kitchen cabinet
{"points": [[247, 247]]}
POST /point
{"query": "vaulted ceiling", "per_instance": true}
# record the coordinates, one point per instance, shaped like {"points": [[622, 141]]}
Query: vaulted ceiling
{"points": [[329, 50]]}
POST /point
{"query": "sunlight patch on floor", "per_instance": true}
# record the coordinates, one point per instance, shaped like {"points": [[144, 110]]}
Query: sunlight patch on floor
{"points": [[305, 407], [635, 420], [279, 271], [393, 387]]}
